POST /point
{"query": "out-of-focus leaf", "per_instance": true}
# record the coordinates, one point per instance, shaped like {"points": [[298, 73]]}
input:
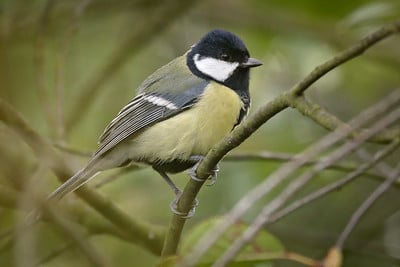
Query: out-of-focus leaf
{"points": [[263, 245]]}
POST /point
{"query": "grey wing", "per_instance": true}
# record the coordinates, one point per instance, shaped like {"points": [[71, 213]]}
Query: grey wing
{"points": [[145, 110]]}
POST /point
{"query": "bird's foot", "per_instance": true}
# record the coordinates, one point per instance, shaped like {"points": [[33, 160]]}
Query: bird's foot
{"points": [[174, 207], [193, 175]]}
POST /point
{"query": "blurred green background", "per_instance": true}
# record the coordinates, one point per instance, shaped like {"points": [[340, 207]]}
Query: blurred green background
{"points": [[52, 51]]}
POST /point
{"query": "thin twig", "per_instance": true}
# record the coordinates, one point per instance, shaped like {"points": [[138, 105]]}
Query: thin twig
{"points": [[75, 234], [23, 239], [110, 178], [47, 105], [352, 52], [381, 167], [386, 151], [285, 157], [293, 187], [53, 254], [86, 218], [60, 63], [366, 205], [330, 122], [73, 151]]}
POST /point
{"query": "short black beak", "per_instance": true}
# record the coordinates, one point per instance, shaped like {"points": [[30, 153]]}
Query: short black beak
{"points": [[251, 63]]}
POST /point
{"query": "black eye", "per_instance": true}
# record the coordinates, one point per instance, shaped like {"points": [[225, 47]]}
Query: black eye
{"points": [[225, 57]]}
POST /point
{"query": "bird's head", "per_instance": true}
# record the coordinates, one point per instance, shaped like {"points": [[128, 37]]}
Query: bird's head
{"points": [[219, 56]]}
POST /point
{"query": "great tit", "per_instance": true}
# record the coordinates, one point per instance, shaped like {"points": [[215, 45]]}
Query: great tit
{"points": [[180, 112]]}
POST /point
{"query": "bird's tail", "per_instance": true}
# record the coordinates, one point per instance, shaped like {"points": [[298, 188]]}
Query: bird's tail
{"points": [[73, 183]]}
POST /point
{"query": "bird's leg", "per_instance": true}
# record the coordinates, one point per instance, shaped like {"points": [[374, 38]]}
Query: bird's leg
{"points": [[178, 193], [192, 172], [171, 184]]}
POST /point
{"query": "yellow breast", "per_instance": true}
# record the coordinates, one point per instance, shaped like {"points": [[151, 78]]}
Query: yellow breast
{"points": [[192, 132]]}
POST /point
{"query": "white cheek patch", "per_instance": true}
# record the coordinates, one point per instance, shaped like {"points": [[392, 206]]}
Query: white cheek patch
{"points": [[218, 69], [159, 101]]}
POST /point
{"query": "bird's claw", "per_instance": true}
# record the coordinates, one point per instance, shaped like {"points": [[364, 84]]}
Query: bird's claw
{"points": [[174, 208], [212, 177]]}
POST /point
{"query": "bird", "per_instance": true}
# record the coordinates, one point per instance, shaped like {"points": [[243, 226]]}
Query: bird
{"points": [[179, 113]]}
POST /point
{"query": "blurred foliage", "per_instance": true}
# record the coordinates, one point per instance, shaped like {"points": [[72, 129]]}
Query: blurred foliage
{"points": [[261, 249], [48, 58]]}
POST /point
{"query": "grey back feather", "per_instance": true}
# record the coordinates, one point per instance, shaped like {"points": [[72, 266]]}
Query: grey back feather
{"points": [[167, 92]]}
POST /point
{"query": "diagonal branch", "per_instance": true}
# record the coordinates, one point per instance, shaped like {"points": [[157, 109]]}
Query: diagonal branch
{"points": [[53, 254], [254, 121], [62, 52], [348, 54], [366, 205], [77, 236], [338, 184], [87, 218], [285, 157], [47, 105], [330, 122]]}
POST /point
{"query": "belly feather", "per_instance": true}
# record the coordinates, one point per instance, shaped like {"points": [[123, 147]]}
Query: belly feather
{"points": [[192, 132]]}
